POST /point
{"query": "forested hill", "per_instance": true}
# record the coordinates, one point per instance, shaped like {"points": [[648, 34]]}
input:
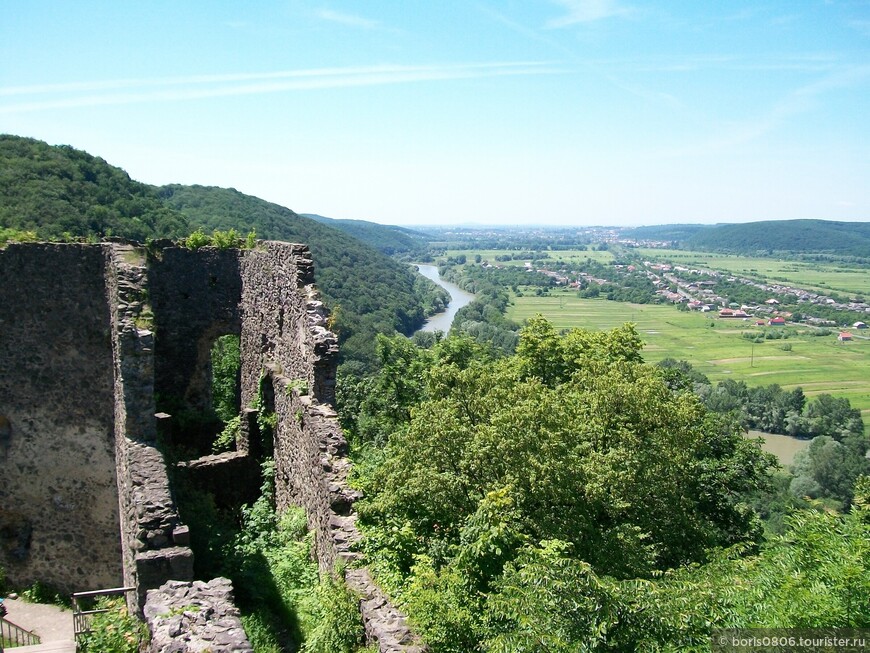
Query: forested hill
{"points": [[386, 238], [54, 191], [374, 293], [808, 236], [674, 232], [59, 192]]}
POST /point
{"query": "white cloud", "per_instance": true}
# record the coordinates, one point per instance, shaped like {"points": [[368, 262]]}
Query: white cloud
{"points": [[132, 91], [587, 11], [347, 19]]}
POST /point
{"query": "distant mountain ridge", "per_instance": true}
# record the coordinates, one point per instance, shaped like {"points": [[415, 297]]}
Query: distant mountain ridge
{"points": [[375, 293], [767, 237], [807, 236], [388, 239]]}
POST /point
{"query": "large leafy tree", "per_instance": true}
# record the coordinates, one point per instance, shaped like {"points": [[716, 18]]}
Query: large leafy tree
{"points": [[816, 575], [573, 440], [591, 445]]}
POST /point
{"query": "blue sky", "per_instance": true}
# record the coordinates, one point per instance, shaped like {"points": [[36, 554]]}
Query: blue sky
{"points": [[410, 112]]}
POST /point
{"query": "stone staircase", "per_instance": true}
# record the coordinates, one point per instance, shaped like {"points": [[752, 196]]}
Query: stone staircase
{"points": [[14, 636], [52, 625]]}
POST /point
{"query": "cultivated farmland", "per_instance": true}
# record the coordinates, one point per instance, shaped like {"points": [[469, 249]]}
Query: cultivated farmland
{"points": [[820, 277], [819, 364], [570, 256]]}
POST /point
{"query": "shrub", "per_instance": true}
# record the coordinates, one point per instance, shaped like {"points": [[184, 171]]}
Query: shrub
{"points": [[226, 362], [339, 626], [261, 633], [114, 631], [226, 440], [15, 235], [226, 239], [196, 240], [43, 593]]}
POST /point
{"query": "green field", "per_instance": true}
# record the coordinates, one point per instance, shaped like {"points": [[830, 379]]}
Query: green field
{"points": [[567, 255], [811, 276], [714, 346]]}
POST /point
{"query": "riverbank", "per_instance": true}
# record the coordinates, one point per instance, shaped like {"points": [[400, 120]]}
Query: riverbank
{"points": [[458, 299]]}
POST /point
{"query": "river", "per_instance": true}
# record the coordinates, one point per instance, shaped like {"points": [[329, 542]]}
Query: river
{"points": [[783, 447], [458, 298]]}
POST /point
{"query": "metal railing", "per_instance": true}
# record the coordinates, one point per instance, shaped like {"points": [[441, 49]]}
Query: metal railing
{"points": [[82, 618], [12, 636]]}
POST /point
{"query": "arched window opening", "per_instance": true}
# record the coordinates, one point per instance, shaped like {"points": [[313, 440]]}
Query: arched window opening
{"points": [[225, 363]]}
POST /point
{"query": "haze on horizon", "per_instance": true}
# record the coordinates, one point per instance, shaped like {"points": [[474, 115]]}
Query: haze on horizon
{"points": [[556, 112]]}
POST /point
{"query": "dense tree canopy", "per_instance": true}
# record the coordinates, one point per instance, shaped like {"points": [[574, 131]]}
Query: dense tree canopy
{"points": [[388, 239], [816, 575], [835, 458], [842, 238], [572, 453], [59, 192]]}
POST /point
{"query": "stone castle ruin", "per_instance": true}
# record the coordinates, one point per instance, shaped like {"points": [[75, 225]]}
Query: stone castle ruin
{"points": [[90, 337]]}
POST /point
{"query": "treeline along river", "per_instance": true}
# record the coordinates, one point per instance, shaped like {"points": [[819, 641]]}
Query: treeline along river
{"points": [[458, 298]]}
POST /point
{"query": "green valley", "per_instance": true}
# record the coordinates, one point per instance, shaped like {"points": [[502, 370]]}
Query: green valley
{"points": [[714, 346]]}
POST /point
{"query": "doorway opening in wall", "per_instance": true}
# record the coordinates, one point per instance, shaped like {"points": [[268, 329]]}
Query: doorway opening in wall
{"points": [[263, 442], [226, 365]]}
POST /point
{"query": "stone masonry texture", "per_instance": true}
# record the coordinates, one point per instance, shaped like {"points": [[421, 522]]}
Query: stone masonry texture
{"points": [[58, 496], [153, 540], [94, 340], [195, 617]]}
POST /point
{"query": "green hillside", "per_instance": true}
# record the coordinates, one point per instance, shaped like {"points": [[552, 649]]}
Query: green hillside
{"points": [[807, 236], [390, 240], [54, 191], [672, 232], [58, 192]]}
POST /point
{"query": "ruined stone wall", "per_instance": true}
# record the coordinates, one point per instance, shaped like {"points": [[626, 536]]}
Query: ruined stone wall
{"points": [[285, 340], [284, 322], [311, 469], [58, 496], [289, 358], [195, 297], [90, 336], [195, 617], [153, 539]]}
